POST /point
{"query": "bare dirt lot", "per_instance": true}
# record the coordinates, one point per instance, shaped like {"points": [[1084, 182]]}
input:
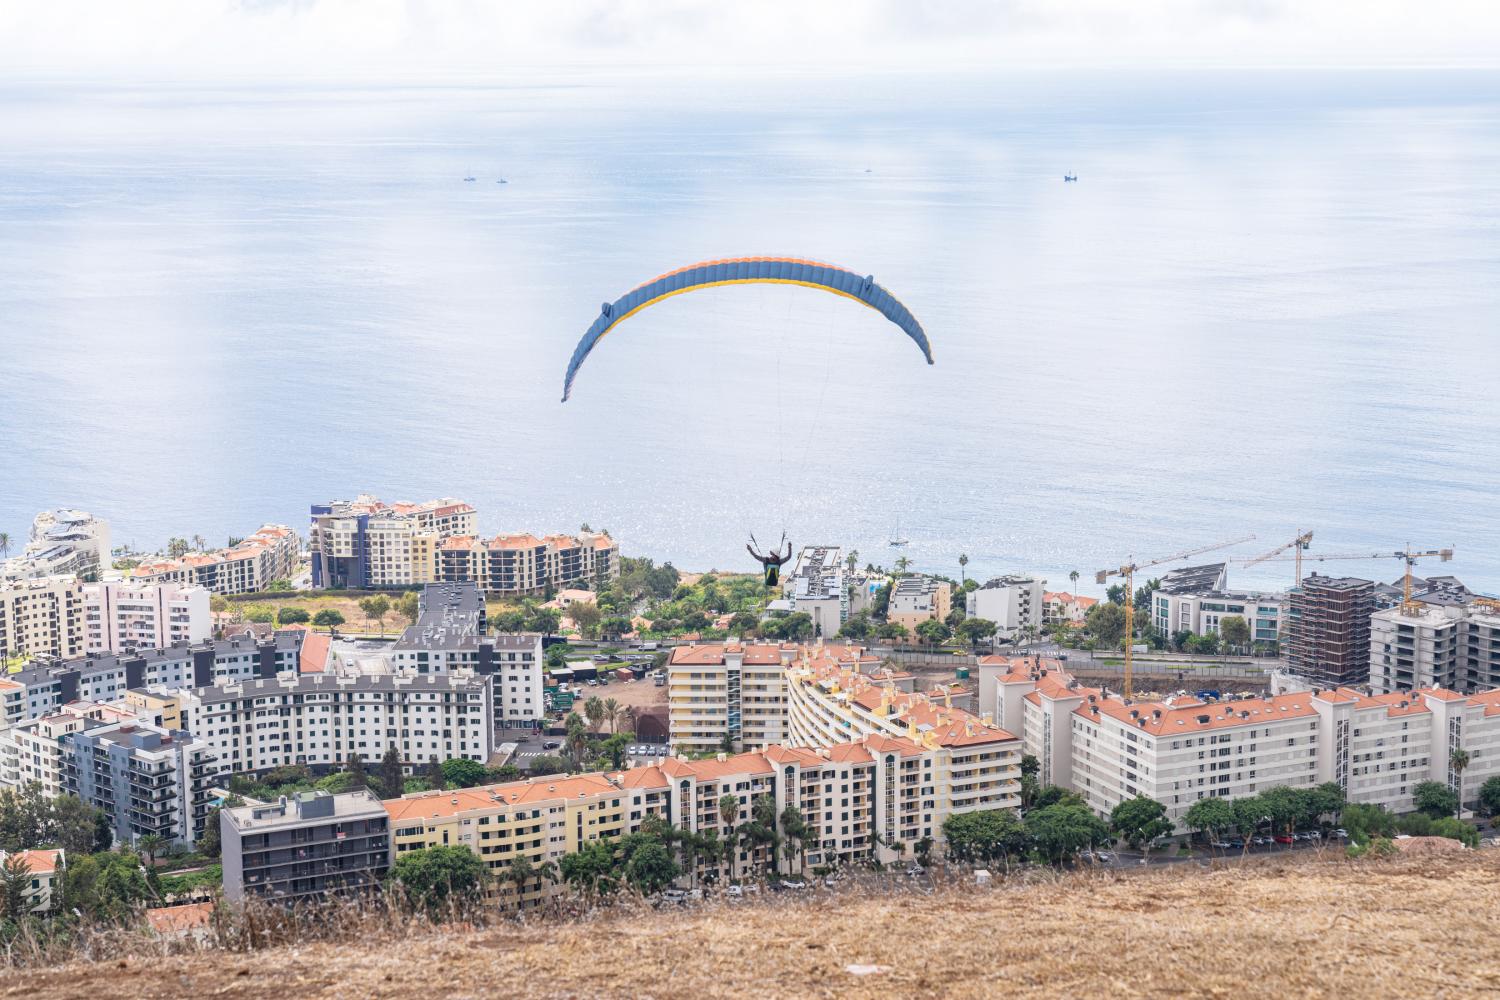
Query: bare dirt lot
{"points": [[1420, 926]]}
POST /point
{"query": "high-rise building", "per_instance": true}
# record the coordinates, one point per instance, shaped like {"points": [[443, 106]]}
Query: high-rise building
{"points": [[1438, 643], [1328, 630], [366, 543], [41, 616], [62, 543], [524, 565], [816, 588], [308, 846], [250, 566], [146, 779], [1012, 602], [123, 617]]}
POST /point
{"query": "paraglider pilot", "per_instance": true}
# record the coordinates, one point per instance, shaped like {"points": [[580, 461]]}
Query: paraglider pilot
{"points": [[772, 562]]}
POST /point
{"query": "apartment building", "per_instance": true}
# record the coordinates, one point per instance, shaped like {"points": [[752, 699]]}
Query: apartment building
{"points": [[323, 720], [1012, 602], [32, 751], [816, 587], [1200, 612], [366, 543], [41, 616], [268, 555], [124, 617], [69, 543], [1177, 751], [105, 677], [523, 565], [916, 599], [448, 636], [729, 691], [1062, 608], [45, 869], [875, 797], [1328, 630], [1448, 644], [146, 779], [307, 846]]}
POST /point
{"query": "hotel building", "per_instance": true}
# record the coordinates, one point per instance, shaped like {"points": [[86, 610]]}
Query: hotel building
{"points": [[366, 543], [251, 566]]}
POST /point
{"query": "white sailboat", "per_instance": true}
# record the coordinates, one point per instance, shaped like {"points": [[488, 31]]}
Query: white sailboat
{"points": [[898, 540]]}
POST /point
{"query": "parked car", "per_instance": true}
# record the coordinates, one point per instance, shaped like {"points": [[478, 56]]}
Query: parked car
{"points": [[1235, 845], [788, 883], [1219, 845], [915, 871], [1340, 834], [1105, 857], [1283, 838]]}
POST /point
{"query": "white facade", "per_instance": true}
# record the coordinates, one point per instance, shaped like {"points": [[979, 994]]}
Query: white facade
{"points": [[1201, 612], [1011, 602], [816, 587], [727, 689], [325, 719], [62, 543], [1454, 646], [121, 617]]}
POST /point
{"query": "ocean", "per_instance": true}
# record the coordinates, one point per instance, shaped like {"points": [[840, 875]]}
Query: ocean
{"points": [[1270, 302]]}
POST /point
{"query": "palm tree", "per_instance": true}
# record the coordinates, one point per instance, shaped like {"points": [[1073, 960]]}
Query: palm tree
{"points": [[901, 564], [611, 713], [963, 562], [593, 710], [1074, 577], [151, 845], [729, 811], [1458, 760], [852, 559], [520, 872], [4, 544]]}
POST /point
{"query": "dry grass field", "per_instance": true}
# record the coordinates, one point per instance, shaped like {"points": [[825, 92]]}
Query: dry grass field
{"points": [[1408, 927]]}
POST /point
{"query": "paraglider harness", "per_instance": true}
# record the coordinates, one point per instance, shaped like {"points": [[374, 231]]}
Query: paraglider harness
{"points": [[772, 562]]}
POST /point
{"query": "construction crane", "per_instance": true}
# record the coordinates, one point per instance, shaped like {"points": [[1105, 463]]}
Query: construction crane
{"points": [[1300, 543], [1408, 606], [1128, 571]]}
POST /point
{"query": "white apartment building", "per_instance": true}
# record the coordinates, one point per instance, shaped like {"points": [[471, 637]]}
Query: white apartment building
{"points": [[325, 719], [270, 554], [1012, 602], [916, 599], [1189, 604], [449, 636], [366, 543], [523, 565], [62, 543], [41, 616], [729, 689], [123, 617], [146, 779], [1376, 748], [816, 588], [32, 751], [44, 688], [46, 868], [1451, 645], [1061, 607]]}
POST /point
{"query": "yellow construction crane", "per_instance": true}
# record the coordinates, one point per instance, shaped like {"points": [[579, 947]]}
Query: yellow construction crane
{"points": [[1408, 606], [1128, 572], [1301, 542]]}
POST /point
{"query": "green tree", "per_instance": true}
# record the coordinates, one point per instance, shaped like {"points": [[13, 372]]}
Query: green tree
{"points": [[729, 812], [963, 566], [1030, 785], [436, 877], [408, 606], [328, 618], [611, 713], [593, 710], [1060, 831], [461, 773], [1458, 761], [15, 886], [1139, 821], [1455, 829], [651, 868], [1365, 822], [1234, 631], [1489, 796], [586, 615], [615, 747], [987, 835], [392, 776], [105, 886], [358, 777], [1211, 816], [977, 631], [261, 614], [1435, 799], [547, 763], [856, 627], [893, 632], [375, 608], [152, 845], [796, 830], [1106, 623], [933, 632], [76, 826], [1073, 575], [177, 547], [290, 615]]}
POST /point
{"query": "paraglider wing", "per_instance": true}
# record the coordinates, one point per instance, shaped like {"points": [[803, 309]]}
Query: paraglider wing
{"points": [[746, 271]]}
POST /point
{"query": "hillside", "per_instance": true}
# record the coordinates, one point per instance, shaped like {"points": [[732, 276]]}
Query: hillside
{"points": [[1417, 926]]}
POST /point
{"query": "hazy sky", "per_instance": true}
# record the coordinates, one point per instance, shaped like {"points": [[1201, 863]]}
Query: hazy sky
{"points": [[383, 39]]}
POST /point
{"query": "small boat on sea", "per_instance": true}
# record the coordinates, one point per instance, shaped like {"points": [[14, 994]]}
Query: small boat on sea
{"points": [[502, 181], [1070, 177], [468, 180]]}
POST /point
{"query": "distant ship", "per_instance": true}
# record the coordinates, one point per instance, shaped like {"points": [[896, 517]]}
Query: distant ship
{"points": [[468, 179], [1070, 177], [502, 181]]}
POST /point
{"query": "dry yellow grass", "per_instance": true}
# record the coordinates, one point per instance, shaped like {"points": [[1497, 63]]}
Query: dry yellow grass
{"points": [[1410, 927]]}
